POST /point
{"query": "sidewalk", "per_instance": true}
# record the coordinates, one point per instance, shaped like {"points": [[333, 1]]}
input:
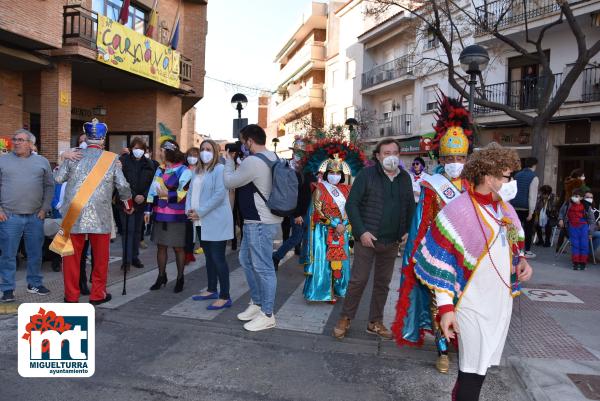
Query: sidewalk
{"points": [[553, 342]]}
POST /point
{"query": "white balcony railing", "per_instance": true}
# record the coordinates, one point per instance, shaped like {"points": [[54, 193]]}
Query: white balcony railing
{"points": [[301, 100], [310, 52]]}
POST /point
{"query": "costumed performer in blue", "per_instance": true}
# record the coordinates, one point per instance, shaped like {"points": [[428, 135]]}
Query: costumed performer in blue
{"points": [[327, 267]]}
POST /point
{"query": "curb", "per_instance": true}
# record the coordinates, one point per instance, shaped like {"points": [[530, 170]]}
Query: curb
{"points": [[522, 373]]}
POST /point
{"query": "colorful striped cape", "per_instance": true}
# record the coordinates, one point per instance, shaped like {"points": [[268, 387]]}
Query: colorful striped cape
{"points": [[454, 246]]}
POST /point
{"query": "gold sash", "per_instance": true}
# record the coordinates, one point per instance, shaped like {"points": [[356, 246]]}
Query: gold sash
{"points": [[62, 244]]}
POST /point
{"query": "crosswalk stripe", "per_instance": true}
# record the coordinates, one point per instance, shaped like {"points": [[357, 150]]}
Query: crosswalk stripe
{"points": [[140, 285], [389, 312], [297, 314], [197, 309]]}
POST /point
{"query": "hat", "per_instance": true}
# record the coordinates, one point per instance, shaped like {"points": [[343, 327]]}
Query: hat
{"points": [[334, 165], [95, 130], [453, 128]]}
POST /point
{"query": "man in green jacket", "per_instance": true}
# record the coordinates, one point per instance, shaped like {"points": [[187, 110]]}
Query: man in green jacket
{"points": [[380, 208]]}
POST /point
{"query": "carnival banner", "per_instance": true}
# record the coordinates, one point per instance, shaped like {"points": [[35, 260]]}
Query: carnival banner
{"points": [[128, 50]]}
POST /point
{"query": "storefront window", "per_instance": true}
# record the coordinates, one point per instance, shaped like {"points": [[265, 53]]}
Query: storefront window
{"points": [[138, 18]]}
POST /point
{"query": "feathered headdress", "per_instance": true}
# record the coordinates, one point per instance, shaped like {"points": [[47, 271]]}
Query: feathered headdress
{"points": [[453, 128], [326, 152], [165, 134]]}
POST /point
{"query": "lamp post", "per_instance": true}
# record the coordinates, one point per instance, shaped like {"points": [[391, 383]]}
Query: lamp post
{"points": [[238, 102], [473, 60], [275, 141]]}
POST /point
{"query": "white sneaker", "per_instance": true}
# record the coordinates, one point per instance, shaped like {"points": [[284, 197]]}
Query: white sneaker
{"points": [[530, 255], [250, 313], [260, 322]]}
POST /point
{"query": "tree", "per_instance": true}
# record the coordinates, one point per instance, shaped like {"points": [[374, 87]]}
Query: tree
{"points": [[454, 22]]}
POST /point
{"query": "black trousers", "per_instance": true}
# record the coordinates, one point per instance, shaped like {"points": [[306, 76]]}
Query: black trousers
{"points": [[527, 227]]}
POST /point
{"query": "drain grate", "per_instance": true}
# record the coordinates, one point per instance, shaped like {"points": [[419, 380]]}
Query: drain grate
{"points": [[589, 385]]}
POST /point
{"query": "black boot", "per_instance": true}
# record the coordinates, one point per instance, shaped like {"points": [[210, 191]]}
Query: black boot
{"points": [[582, 266], [161, 280], [179, 285]]}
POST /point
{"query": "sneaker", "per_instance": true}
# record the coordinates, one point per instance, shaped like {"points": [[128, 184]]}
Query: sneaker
{"points": [[40, 290], [379, 329], [250, 313], [342, 326], [530, 255], [8, 296], [107, 298], [260, 322]]}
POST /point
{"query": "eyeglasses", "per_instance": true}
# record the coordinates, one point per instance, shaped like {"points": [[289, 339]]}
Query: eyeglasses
{"points": [[20, 140], [508, 177], [416, 164]]}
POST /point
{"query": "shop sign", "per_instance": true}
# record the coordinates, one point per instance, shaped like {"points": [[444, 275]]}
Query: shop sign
{"points": [[123, 48], [512, 138], [411, 146], [84, 114]]}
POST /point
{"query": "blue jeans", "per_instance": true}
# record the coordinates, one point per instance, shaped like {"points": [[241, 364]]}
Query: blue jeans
{"points": [[292, 241], [256, 257], [31, 228], [217, 269]]}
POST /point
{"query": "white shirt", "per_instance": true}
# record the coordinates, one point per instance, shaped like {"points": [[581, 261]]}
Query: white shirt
{"points": [[196, 189]]}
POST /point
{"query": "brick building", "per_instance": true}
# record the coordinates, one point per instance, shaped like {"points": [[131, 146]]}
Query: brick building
{"points": [[63, 63]]}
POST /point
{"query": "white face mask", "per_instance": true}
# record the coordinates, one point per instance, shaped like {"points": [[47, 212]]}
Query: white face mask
{"points": [[138, 153], [508, 191], [334, 179], [453, 169], [589, 200], [582, 178], [83, 145], [206, 156], [238, 161], [147, 155], [192, 160], [390, 163], [575, 199]]}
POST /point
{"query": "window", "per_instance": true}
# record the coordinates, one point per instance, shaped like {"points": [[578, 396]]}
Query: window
{"points": [[432, 40], [138, 17], [334, 78], [430, 98], [348, 112], [350, 69]]}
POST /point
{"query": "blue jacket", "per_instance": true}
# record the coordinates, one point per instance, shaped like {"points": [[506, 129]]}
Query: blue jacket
{"points": [[213, 206]]}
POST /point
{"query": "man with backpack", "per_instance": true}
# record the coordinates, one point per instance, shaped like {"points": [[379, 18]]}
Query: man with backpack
{"points": [[259, 198]]}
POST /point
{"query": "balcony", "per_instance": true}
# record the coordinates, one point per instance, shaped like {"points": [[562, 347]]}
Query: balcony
{"points": [[80, 27], [394, 126], [520, 95], [591, 85], [390, 71], [299, 102], [503, 14], [310, 56]]}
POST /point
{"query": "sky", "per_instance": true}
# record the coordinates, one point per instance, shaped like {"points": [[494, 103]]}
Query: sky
{"points": [[243, 38]]}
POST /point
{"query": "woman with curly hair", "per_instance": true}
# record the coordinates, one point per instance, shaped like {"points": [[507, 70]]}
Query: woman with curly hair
{"points": [[472, 257]]}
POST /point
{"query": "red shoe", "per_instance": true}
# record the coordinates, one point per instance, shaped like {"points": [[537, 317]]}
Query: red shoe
{"points": [[189, 258]]}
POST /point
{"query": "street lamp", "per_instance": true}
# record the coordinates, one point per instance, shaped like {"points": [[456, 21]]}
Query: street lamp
{"points": [[473, 60], [275, 142], [238, 102]]}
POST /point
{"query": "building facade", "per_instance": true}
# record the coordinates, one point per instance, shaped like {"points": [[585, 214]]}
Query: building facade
{"points": [[64, 62], [300, 98]]}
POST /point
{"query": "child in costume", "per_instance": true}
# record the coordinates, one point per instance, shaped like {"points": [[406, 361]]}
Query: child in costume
{"points": [[579, 219], [416, 310]]}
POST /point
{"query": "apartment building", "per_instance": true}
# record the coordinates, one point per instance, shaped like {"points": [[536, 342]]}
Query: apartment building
{"points": [[65, 62], [299, 100]]}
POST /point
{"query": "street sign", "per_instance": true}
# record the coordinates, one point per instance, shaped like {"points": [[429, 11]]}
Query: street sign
{"points": [[238, 124]]}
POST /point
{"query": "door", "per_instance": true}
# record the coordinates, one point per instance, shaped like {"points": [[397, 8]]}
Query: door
{"points": [[407, 114], [586, 157]]}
